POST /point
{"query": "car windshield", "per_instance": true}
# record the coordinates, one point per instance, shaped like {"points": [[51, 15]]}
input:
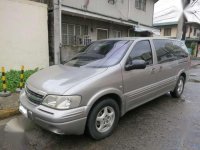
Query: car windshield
{"points": [[100, 54]]}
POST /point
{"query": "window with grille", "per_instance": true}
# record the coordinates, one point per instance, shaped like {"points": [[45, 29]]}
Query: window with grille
{"points": [[167, 32], [195, 32], [117, 34], [74, 34], [102, 33], [140, 4], [131, 32]]}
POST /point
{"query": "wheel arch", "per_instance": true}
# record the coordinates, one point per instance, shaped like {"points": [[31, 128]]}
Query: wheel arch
{"points": [[184, 74], [115, 94]]}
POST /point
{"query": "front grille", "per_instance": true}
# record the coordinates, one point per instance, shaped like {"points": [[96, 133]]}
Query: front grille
{"points": [[34, 97]]}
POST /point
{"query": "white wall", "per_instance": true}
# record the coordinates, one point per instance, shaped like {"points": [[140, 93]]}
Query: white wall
{"points": [[23, 34], [118, 10], [143, 17]]}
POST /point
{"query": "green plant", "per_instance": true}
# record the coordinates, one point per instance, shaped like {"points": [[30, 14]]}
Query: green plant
{"points": [[193, 46], [13, 79]]}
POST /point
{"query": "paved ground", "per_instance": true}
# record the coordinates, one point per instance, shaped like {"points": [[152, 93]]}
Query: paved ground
{"points": [[163, 124]]}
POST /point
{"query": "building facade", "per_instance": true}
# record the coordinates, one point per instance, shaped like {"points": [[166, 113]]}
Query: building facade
{"points": [[173, 23], [192, 37], [171, 30], [74, 24]]}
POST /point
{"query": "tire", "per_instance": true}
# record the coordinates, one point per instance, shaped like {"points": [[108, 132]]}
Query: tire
{"points": [[179, 88], [101, 123]]}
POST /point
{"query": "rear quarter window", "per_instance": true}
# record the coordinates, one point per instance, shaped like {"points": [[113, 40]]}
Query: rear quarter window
{"points": [[180, 50], [169, 50]]}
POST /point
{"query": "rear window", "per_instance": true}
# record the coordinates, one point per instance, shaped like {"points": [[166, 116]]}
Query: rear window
{"points": [[180, 50], [169, 50]]}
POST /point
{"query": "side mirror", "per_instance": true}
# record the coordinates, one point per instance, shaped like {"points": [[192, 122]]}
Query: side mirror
{"points": [[136, 64]]}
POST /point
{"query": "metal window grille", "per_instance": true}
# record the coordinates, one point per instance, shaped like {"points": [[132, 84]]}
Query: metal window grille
{"points": [[167, 32], [195, 32], [117, 34], [75, 35]]}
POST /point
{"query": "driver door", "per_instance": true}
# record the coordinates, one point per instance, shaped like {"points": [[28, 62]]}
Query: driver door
{"points": [[139, 84]]}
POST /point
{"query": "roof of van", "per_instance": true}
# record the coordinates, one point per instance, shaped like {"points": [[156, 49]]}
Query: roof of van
{"points": [[136, 38]]}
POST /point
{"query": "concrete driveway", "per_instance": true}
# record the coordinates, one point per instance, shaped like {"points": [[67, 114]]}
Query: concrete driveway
{"points": [[163, 124]]}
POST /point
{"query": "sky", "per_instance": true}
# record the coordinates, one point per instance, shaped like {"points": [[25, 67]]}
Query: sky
{"points": [[170, 11]]}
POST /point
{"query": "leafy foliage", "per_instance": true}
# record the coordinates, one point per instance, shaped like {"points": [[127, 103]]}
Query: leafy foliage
{"points": [[193, 46], [13, 79]]}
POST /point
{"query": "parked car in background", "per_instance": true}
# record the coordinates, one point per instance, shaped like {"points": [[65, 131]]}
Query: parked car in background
{"points": [[91, 91]]}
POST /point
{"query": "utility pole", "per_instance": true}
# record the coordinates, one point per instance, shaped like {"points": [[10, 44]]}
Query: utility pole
{"points": [[184, 27]]}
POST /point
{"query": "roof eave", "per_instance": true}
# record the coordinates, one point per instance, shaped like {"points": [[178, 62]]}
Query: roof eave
{"points": [[165, 24], [155, 1]]}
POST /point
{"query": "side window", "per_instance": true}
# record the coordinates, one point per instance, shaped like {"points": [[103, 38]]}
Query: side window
{"points": [[180, 50], [164, 50], [142, 50]]}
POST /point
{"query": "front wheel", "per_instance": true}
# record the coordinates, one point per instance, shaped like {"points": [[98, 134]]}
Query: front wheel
{"points": [[179, 88], [103, 119]]}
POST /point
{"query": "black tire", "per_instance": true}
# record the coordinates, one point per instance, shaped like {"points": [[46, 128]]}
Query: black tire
{"points": [[91, 122], [176, 93]]}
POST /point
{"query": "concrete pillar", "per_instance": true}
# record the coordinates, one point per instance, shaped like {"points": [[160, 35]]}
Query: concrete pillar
{"points": [[57, 31], [181, 24], [180, 28]]}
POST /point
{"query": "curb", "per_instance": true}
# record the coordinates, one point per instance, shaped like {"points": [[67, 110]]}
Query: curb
{"points": [[194, 80], [193, 66], [8, 113], [195, 58], [5, 94]]}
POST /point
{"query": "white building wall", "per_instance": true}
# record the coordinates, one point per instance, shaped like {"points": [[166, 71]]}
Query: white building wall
{"points": [[143, 17], [123, 9], [23, 34]]}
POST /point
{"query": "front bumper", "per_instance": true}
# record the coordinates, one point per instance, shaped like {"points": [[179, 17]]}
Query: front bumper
{"points": [[70, 121]]}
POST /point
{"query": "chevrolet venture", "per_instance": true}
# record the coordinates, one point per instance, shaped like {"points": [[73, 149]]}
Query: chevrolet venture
{"points": [[106, 79]]}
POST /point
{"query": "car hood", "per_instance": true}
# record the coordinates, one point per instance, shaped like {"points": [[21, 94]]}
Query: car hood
{"points": [[60, 78]]}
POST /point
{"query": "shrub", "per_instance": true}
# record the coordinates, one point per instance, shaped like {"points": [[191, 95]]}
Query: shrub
{"points": [[193, 46], [13, 79]]}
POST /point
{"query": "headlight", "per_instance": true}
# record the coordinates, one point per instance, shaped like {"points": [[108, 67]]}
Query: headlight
{"points": [[62, 102]]}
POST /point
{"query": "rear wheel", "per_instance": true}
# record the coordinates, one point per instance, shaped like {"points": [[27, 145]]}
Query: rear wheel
{"points": [[103, 119], [179, 88]]}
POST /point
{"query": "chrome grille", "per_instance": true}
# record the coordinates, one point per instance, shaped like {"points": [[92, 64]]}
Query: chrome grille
{"points": [[33, 96]]}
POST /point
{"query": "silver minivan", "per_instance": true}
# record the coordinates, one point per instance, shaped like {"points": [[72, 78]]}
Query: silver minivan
{"points": [[106, 79]]}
